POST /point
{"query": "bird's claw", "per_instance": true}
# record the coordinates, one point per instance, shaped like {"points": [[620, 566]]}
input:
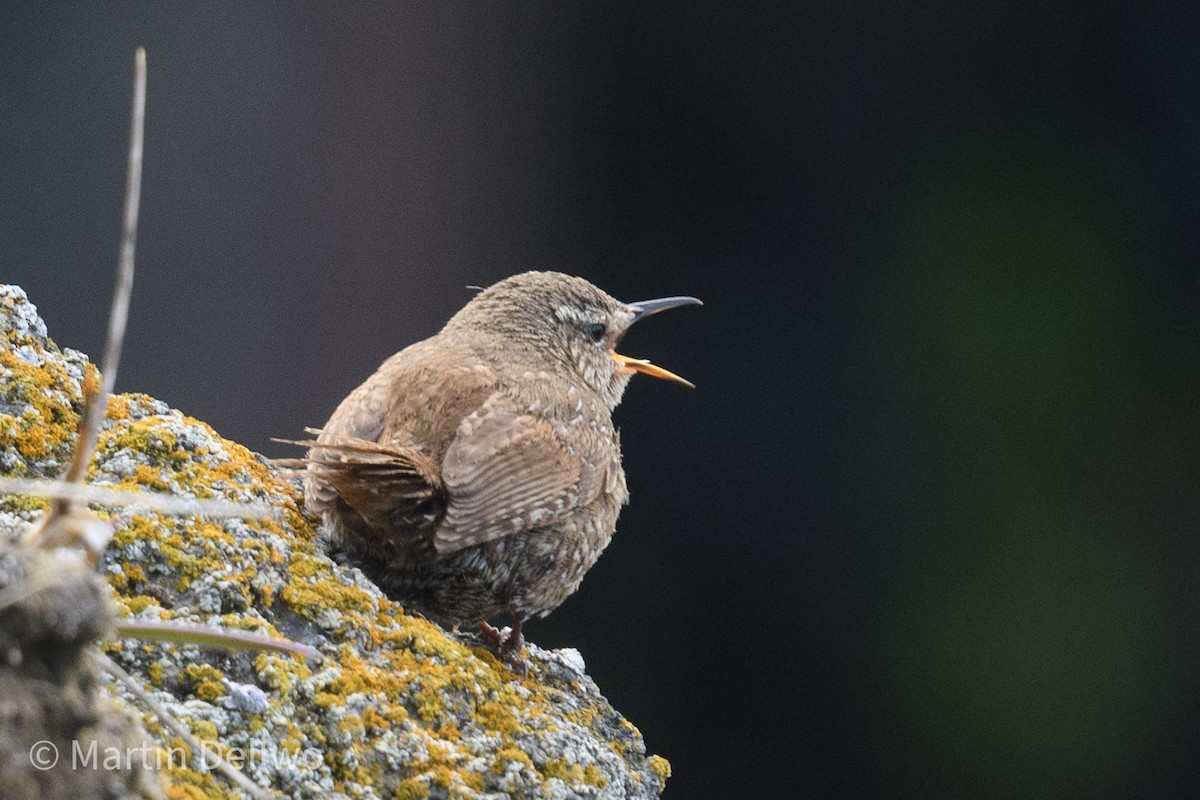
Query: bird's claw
{"points": [[507, 645]]}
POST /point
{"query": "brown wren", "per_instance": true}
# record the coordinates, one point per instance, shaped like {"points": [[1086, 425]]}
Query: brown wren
{"points": [[479, 471]]}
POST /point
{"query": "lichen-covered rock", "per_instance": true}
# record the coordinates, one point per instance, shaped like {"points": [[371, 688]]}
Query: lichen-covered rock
{"points": [[396, 709]]}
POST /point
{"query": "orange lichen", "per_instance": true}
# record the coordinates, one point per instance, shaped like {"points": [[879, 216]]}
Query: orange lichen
{"points": [[46, 428]]}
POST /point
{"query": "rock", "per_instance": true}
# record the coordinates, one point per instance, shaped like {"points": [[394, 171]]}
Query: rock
{"points": [[396, 709]]}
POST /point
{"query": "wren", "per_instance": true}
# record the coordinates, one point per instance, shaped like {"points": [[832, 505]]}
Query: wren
{"points": [[478, 471]]}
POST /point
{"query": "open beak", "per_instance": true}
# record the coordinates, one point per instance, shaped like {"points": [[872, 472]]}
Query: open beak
{"points": [[642, 365], [641, 310]]}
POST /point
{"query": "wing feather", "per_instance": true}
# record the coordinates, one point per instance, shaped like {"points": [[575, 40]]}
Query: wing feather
{"points": [[505, 472]]}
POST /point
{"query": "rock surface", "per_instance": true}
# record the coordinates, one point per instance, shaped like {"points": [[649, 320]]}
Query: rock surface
{"points": [[396, 708]]}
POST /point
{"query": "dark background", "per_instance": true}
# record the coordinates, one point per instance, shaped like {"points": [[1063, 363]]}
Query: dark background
{"points": [[927, 526]]}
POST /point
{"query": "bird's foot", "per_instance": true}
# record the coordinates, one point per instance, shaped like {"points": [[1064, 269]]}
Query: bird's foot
{"points": [[506, 646], [492, 637]]}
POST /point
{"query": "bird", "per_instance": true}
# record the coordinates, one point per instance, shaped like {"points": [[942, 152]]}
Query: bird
{"points": [[478, 472]]}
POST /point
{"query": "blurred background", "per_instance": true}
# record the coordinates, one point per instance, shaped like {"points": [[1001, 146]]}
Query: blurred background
{"points": [[927, 526]]}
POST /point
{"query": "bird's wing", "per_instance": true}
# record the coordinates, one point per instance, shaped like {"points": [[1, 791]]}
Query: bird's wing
{"points": [[507, 471], [378, 454], [392, 488]]}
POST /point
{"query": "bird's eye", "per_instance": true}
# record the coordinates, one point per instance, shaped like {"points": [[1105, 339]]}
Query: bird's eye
{"points": [[596, 331]]}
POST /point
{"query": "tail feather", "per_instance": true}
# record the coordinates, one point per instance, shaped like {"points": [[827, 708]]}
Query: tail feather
{"points": [[392, 487]]}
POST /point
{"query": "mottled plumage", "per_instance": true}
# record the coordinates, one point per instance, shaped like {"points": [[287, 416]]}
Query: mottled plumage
{"points": [[479, 471]]}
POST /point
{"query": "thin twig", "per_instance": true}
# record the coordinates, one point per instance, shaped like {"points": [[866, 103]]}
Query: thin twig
{"points": [[97, 399], [127, 498], [209, 636], [119, 315], [207, 754]]}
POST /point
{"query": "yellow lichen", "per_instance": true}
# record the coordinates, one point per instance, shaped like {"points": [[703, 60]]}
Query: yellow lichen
{"points": [[592, 776], [498, 717], [190, 784], [661, 769], [179, 791], [280, 673], [573, 774], [507, 755], [374, 721], [144, 436], [559, 768], [205, 730], [411, 789], [22, 505], [138, 603], [206, 681]]}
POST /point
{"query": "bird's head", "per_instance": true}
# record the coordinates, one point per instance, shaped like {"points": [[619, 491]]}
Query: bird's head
{"points": [[556, 322]]}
